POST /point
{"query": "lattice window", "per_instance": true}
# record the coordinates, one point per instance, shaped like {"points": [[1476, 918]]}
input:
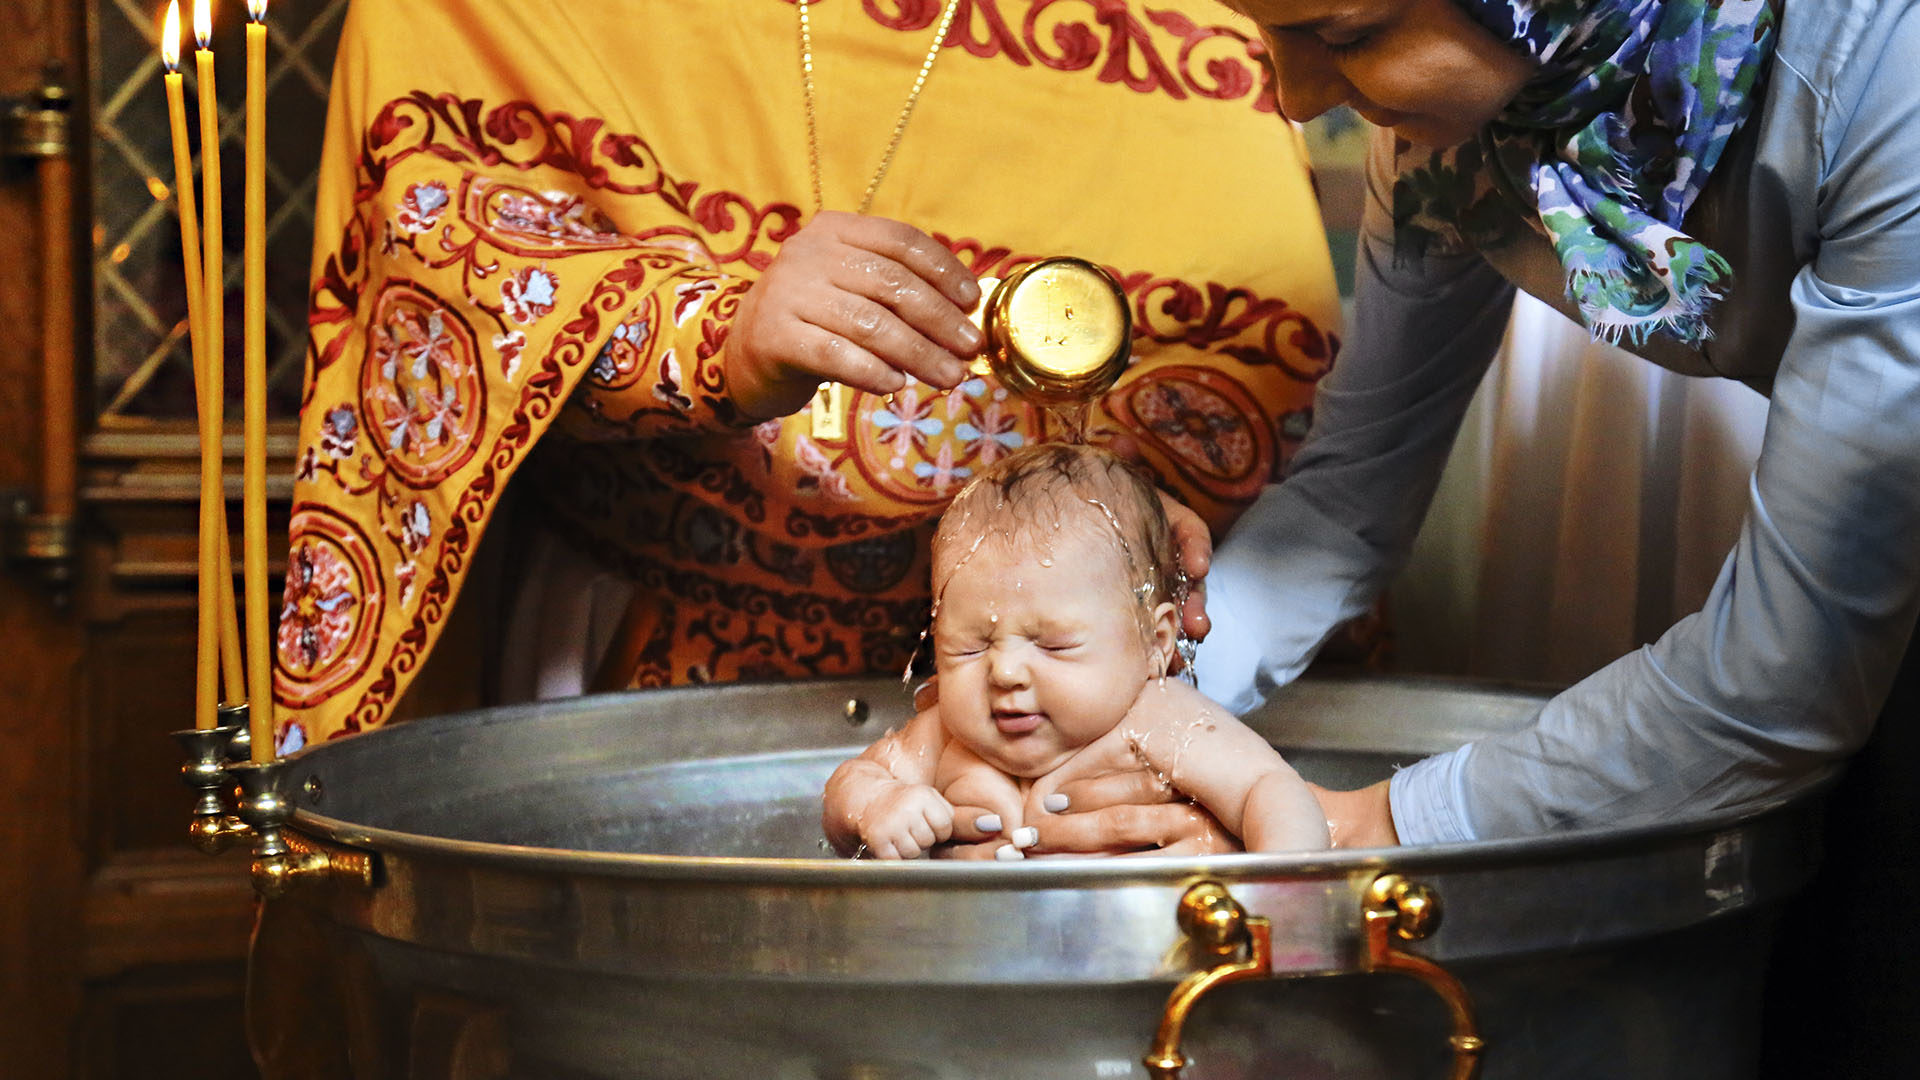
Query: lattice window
{"points": [[142, 370]]}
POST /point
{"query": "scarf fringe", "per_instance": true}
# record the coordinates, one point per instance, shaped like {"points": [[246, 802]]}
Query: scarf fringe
{"points": [[1684, 316]]}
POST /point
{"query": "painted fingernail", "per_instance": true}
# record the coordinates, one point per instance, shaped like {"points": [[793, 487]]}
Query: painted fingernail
{"points": [[1009, 853], [1025, 837], [1054, 803], [987, 823]]}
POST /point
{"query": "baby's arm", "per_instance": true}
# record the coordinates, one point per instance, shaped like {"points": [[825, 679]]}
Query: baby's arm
{"points": [[884, 798], [1206, 752]]}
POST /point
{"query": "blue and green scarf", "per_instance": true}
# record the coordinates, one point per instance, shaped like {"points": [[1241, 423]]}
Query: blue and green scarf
{"points": [[1610, 142]]}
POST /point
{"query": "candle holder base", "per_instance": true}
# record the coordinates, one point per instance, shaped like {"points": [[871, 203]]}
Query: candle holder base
{"points": [[240, 747], [282, 859], [207, 751]]}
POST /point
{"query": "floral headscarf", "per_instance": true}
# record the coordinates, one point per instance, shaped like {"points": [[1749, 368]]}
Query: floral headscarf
{"points": [[1611, 141]]}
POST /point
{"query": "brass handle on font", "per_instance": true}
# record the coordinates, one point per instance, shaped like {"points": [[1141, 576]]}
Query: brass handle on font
{"points": [[1215, 922], [1395, 907], [1392, 908]]}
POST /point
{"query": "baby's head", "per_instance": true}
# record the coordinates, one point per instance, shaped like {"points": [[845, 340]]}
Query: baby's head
{"points": [[1055, 600]]}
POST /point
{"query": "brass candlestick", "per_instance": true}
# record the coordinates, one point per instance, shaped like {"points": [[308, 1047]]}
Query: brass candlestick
{"points": [[281, 860], [209, 751]]}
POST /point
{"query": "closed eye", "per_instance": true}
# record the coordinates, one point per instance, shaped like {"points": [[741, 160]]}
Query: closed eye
{"points": [[1347, 46]]}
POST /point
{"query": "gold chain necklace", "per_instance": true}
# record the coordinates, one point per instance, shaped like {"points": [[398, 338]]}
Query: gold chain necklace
{"points": [[830, 402], [899, 125]]}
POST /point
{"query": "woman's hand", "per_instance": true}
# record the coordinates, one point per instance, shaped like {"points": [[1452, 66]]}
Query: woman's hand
{"points": [[1162, 827], [1192, 542], [1108, 803], [1193, 548], [1358, 819], [860, 300], [1126, 813]]}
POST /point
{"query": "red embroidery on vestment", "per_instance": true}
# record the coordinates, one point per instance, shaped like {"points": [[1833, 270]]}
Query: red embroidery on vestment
{"points": [[535, 224], [1205, 424], [541, 395], [330, 614], [422, 394], [1060, 34]]}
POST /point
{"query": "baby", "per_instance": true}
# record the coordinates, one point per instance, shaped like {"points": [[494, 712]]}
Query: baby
{"points": [[1054, 624]]}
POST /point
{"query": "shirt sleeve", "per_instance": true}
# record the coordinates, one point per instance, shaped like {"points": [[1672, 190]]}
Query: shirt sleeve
{"points": [[1317, 548], [1787, 664]]}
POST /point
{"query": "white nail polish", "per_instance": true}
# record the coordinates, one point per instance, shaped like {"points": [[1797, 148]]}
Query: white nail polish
{"points": [[1054, 803], [1008, 853], [1025, 836], [987, 823]]}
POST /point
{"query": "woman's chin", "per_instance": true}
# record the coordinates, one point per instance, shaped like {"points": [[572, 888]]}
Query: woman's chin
{"points": [[1432, 132]]}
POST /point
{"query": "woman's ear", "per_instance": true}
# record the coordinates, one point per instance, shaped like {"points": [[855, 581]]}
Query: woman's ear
{"points": [[1163, 634]]}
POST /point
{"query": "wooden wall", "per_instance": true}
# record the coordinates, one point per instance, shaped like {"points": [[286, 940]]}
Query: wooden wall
{"points": [[121, 950]]}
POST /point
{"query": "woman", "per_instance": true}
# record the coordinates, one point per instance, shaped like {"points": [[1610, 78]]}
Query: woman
{"points": [[1726, 189]]}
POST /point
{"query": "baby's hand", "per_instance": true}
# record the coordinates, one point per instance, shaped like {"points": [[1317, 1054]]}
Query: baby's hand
{"points": [[904, 821]]}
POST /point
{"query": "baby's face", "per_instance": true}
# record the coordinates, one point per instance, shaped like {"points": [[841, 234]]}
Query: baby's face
{"points": [[1041, 647]]}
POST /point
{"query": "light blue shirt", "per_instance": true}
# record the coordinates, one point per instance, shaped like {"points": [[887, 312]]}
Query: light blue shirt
{"points": [[1817, 207]]}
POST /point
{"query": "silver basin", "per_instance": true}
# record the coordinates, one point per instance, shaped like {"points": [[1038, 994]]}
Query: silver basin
{"points": [[635, 886]]}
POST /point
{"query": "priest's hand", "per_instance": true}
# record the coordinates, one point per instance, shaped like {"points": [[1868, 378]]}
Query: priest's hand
{"points": [[857, 299]]}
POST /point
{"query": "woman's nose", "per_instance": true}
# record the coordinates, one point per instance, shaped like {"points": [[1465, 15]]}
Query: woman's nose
{"points": [[1305, 81]]}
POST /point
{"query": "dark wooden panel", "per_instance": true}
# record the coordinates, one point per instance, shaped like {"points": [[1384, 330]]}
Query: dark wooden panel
{"points": [[40, 858], [175, 906], [172, 1023], [40, 865], [139, 687]]}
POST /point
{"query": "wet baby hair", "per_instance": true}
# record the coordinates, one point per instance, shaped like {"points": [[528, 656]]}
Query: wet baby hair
{"points": [[1040, 488]]}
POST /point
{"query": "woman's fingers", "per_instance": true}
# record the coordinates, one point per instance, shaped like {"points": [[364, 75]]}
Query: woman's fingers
{"points": [[1193, 612], [1120, 828], [984, 851], [1134, 786], [1193, 547], [1192, 542], [974, 824], [1212, 843]]}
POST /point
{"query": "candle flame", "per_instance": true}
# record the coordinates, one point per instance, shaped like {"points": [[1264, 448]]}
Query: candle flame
{"points": [[256, 10], [203, 22], [170, 37]]}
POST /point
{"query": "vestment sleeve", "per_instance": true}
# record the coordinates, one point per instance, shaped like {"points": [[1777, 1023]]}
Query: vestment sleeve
{"points": [[661, 369], [1317, 548], [1789, 661]]}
